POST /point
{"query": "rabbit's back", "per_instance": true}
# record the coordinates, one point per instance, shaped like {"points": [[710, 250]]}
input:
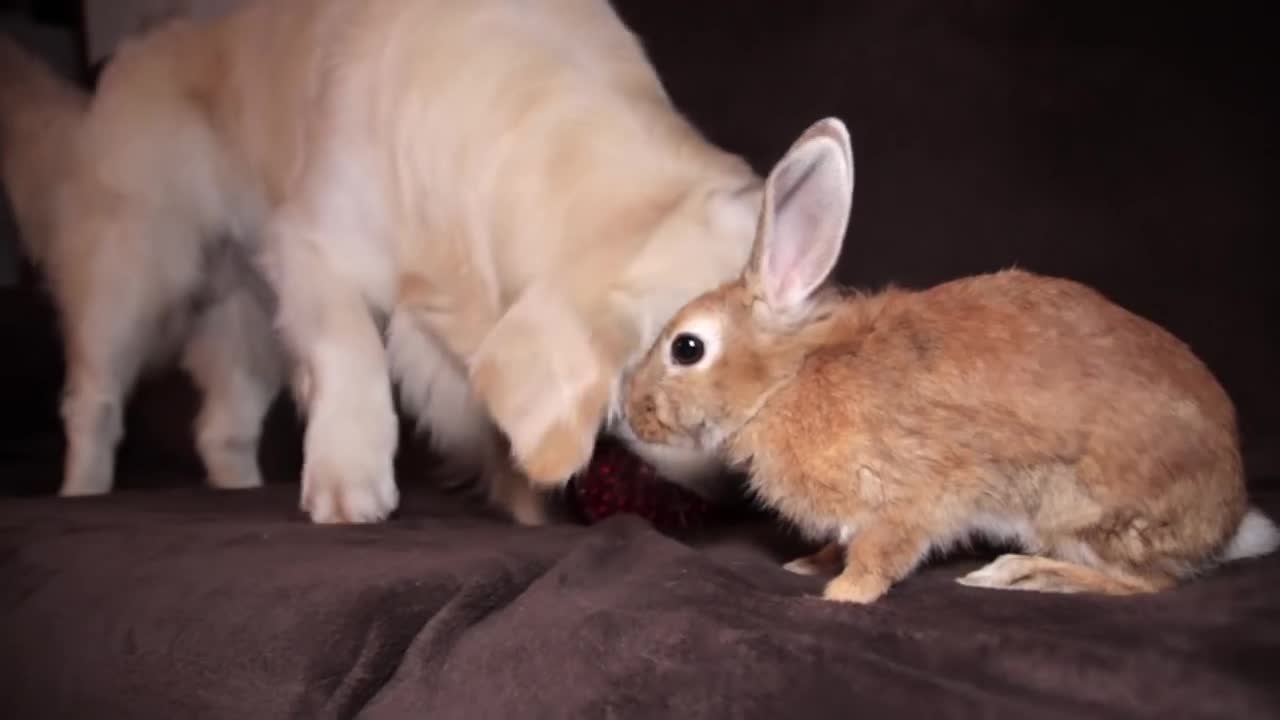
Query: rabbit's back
{"points": [[1008, 390], [1045, 355]]}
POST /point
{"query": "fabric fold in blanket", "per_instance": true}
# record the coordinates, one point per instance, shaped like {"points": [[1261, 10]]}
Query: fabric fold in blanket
{"points": [[204, 604]]}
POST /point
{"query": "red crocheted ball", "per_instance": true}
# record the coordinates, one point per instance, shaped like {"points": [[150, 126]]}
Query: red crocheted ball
{"points": [[617, 481]]}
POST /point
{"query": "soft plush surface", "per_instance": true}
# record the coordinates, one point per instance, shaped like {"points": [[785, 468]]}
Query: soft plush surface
{"points": [[195, 604], [1127, 145]]}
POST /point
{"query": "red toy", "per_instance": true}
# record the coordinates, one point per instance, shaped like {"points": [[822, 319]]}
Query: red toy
{"points": [[617, 481]]}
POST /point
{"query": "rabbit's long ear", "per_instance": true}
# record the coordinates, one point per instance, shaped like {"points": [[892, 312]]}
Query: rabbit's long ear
{"points": [[807, 200]]}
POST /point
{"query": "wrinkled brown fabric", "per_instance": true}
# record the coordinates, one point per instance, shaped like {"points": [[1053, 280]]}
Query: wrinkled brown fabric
{"points": [[195, 604]]}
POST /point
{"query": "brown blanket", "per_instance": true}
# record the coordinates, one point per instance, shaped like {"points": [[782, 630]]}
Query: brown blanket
{"points": [[196, 604]]}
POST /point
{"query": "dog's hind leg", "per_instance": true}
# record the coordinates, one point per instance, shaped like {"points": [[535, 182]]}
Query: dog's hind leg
{"points": [[235, 359], [93, 421], [107, 334]]}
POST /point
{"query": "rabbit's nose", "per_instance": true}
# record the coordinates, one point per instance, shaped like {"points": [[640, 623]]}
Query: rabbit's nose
{"points": [[649, 405], [643, 409], [642, 416]]}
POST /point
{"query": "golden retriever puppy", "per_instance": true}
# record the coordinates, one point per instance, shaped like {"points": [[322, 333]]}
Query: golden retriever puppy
{"points": [[492, 205]]}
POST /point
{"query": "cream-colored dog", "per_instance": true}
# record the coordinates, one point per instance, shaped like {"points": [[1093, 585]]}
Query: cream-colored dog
{"points": [[491, 203]]}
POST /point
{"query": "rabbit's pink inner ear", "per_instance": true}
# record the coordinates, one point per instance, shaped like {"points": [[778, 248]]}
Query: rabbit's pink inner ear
{"points": [[807, 213]]}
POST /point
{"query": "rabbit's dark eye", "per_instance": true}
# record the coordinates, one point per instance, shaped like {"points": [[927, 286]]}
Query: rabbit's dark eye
{"points": [[687, 349]]}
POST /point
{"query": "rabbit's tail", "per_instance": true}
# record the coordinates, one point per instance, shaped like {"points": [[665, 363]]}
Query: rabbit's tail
{"points": [[1257, 535]]}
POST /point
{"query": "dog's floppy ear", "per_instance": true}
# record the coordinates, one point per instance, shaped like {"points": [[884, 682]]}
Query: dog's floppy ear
{"points": [[546, 374]]}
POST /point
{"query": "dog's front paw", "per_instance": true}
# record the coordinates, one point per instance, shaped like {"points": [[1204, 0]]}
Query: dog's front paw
{"points": [[332, 496], [558, 455], [512, 493], [349, 477]]}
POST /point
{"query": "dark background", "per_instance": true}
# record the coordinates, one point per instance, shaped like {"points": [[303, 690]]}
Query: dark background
{"points": [[63, 13], [1125, 145]]}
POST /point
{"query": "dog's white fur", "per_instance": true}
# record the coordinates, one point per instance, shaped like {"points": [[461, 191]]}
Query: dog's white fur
{"points": [[492, 203]]}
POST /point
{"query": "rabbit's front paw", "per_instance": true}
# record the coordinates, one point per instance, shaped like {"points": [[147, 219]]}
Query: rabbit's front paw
{"points": [[853, 588]]}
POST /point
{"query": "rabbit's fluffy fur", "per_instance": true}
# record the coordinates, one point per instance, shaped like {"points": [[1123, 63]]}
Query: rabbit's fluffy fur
{"points": [[491, 203], [887, 425]]}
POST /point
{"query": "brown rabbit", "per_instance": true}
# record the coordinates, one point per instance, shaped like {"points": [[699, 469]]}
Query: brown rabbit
{"points": [[1023, 408]]}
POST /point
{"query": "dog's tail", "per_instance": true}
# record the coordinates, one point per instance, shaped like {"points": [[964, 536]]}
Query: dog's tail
{"points": [[40, 118]]}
